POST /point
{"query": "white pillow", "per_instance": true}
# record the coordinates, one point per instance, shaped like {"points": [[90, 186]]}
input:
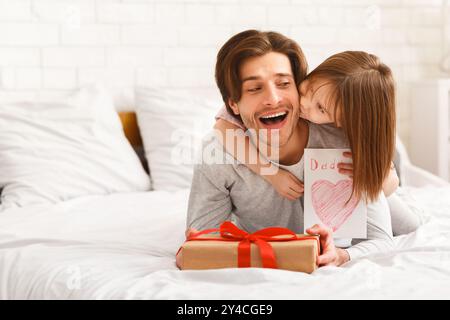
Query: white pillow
{"points": [[51, 152], [172, 124]]}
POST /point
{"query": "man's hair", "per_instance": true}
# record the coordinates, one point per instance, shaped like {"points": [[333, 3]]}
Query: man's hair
{"points": [[248, 44]]}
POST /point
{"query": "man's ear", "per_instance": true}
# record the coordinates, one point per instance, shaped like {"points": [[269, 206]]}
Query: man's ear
{"points": [[233, 105]]}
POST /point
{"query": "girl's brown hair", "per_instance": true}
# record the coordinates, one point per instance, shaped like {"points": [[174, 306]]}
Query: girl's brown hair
{"points": [[248, 44], [364, 96]]}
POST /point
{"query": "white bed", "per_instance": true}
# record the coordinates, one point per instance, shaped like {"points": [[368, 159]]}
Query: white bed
{"points": [[123, 246]]}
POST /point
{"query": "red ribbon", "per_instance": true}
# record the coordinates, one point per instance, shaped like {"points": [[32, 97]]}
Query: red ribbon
{"points": [[229, 232]]}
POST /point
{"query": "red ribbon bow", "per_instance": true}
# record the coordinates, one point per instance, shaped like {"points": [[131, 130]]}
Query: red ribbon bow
{"points": [[229, 232]]}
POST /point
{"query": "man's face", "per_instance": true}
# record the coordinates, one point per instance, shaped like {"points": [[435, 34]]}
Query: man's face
{"points": [[269, 97]]}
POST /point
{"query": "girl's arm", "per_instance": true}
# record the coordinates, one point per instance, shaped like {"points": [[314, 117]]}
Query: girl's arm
{"points": [[240, 147], [391, 182]]}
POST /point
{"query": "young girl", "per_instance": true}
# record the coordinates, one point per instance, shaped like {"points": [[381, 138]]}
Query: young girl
{"points": [[355, 92]]}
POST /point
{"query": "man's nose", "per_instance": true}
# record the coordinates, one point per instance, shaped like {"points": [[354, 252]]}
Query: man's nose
{"points": [[273, 97]]}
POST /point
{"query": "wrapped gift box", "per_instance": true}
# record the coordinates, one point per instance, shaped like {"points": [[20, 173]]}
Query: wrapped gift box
{"points": [[295, 252]]}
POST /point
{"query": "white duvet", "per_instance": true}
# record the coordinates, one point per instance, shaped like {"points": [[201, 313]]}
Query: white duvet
{"points": [[123, 246]]}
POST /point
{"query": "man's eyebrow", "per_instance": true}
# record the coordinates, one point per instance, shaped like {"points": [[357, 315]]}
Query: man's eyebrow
{"points": [[284, 75], [251, 78], [280, 74]]}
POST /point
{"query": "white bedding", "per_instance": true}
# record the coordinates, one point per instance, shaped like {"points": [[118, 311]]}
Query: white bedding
{"points": [[123, 246]]}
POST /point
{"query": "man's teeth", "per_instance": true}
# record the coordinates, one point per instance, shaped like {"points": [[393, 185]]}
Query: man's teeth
{"points": [[274, 115]]}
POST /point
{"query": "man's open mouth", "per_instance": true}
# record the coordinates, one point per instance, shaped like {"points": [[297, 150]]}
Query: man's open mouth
{"points": [[275, 119]]}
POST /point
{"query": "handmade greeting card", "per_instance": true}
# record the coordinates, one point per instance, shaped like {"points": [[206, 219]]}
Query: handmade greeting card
{"points": [[328, 195]]}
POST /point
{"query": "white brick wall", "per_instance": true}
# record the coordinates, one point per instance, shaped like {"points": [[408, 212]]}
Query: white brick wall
{"points": [[106, 35], [28, 34], [64, 56], [108, 12], [48, 47]]}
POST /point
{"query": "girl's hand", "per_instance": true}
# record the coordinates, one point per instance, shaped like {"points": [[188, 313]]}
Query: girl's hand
{"points": [[330, 256], [286, 184], [346, 168]]}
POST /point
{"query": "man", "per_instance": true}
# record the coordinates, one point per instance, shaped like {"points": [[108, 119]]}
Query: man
{"points": [[258, 74]]}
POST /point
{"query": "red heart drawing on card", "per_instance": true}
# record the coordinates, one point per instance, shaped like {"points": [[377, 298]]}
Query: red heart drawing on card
{"points": [[329, 200]]}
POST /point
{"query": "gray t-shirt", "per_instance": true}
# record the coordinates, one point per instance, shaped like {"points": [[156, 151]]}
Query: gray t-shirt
{"points": [[231, 191]]}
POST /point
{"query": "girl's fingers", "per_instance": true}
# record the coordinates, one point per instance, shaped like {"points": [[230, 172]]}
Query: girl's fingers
{"points": [[296, 188], [289, 197], [294, 178], [345, 171], [294, 197], [345, 165], [347, 154], [345, 168], [294, 194]]}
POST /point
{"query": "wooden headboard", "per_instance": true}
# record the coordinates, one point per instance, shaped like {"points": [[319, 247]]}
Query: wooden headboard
{"points": [[130, 127]]}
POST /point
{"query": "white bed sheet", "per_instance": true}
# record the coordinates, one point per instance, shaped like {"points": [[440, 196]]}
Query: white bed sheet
{"points": [[123, 246]]}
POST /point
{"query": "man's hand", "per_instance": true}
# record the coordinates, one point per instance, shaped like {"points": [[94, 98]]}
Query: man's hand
{"points": [[190, 231], [331, 256]]}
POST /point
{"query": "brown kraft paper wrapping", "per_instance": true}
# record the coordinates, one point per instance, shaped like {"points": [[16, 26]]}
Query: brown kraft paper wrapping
{"points": [[294, 255]]}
